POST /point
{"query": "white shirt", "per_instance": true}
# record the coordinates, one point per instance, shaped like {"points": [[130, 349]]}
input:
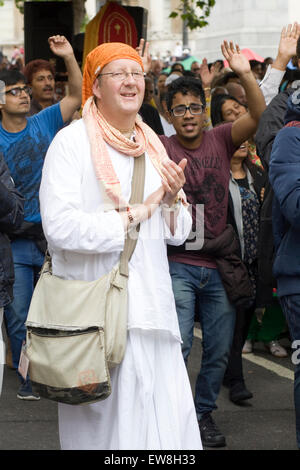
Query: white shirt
{"points": [[270, 83], [167, 127], [85, 242]]}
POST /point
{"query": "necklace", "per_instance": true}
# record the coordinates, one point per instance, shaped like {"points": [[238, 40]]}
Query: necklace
{"points": [[127, 132]]}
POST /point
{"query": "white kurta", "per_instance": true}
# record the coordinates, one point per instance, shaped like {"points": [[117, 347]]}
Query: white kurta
{"points": [[151, 405]]}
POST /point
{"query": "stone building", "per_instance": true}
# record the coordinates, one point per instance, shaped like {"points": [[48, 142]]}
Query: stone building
{"points": [[251, 23], [255, 24], [11, 27]]}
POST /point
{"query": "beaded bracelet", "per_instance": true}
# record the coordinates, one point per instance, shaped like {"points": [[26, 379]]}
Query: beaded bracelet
{"points": [[172, 208]]}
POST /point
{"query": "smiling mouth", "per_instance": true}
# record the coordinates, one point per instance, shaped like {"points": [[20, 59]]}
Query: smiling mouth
{"points": [[128, 95], [189, 126]]}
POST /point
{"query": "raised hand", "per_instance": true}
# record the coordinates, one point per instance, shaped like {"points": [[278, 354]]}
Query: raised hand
{"points": [[236, 60], [206, 75], [144, 54], [288, 41], [174, 179], [60, 46]]}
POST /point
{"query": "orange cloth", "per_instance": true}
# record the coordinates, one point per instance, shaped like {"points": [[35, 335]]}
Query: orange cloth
{"points": [[101, 56]]}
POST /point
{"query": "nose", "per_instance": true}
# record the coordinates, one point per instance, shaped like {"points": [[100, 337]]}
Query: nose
{"points": [[188, 113], [129, 78]]}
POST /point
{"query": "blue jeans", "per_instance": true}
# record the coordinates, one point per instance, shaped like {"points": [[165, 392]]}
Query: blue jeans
{"points": [[199, 291], [28, 260], [291, 308]]}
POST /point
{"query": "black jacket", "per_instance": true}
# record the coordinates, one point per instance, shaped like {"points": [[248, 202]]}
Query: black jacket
{"points": [[225, 250], [11, 217], [271, 121], [259, 181]]}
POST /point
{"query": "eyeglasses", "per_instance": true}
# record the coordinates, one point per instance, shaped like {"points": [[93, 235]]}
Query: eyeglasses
{"points": [[194, 109], [121, 76], [18, 91]]}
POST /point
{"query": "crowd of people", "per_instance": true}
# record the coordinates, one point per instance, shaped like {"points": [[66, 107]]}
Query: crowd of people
{"points": [[223, 200]]}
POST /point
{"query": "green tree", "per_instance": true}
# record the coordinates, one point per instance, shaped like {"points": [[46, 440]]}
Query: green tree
{"points": [[187, 10]]}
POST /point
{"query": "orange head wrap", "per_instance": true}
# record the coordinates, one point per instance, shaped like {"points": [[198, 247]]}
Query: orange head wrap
{"points": [[101, 56]]}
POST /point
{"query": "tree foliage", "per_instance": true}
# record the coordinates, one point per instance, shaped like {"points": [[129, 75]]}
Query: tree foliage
{"points": [[187, 10]]}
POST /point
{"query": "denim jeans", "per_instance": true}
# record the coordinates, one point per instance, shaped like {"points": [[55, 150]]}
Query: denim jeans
{"points": [[199, 291], [291, 308], [2, 350], [28, 260]]}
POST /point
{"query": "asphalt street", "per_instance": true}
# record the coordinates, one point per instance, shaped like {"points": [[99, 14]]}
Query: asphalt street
{"points": [[266, 422]]}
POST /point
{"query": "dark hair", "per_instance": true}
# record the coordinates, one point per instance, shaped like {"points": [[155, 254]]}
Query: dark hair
{"points": [[189, 73], [12, 77], [162, 97], [227, 76], [175, 65], [185, 85], [216, 107], [298, 49], [35, 66], [253, 63], [218, 61]]}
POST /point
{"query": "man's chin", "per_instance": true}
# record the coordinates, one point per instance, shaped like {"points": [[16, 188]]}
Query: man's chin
{"points": [[190, 137], [47, 96]]}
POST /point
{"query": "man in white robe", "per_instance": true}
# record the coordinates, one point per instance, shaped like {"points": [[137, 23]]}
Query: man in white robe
{"points": [[151, 405]]}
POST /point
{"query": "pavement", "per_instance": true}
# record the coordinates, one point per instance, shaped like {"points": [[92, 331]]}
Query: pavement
{"points": [[266, 422]]}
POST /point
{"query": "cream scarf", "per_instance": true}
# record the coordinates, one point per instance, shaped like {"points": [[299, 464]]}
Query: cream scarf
{"points": [[101, 132]]}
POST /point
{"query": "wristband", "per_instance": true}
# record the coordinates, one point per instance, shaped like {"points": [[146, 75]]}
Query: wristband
{"points": [[130, 216], [123, 209], [129, 213]]}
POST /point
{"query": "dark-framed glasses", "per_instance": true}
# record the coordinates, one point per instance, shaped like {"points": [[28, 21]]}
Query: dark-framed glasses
{"points": [[121, 76], [194, 109], [17, 91]]}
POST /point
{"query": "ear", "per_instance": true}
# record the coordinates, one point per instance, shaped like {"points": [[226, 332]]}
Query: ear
{"points": [[2, 93], [97, 89]]}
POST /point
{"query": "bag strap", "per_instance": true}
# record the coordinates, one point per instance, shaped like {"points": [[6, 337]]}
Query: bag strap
{"points": [[137, 195]]}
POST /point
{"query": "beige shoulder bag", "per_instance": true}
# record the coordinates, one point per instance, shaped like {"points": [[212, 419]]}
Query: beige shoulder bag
{"points": [[77, 330]]}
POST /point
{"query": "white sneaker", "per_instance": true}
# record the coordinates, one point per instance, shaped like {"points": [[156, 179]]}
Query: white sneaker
{"points": [[276, 349], [248, 347]]}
